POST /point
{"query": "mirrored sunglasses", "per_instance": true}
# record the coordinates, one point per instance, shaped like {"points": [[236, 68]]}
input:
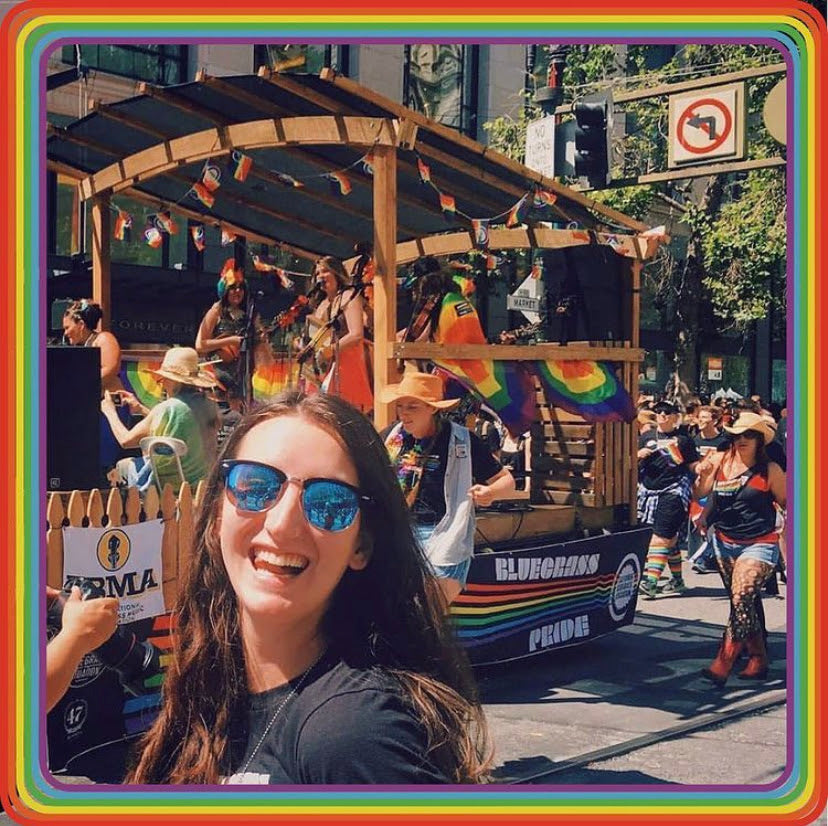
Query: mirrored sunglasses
{"points": [[329, 505]]}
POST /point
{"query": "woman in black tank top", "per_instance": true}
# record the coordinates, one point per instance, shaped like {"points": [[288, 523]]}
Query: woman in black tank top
{"points": [[744, 488]]}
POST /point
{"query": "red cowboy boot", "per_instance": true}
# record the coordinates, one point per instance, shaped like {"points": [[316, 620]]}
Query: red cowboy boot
{"points": [[757, 667], [719, 670]]}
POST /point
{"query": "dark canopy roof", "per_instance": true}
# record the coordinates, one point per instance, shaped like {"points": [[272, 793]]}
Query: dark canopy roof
{"points": [[102, 148]]}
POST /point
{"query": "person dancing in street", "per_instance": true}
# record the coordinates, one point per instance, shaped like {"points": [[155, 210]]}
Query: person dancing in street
{"points": [[743, 487], [666, 466], [311, 646]]}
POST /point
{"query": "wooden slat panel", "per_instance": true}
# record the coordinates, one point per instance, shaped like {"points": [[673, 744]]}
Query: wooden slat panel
{"points": [[610, 469], [558, 413], [55, 514], [564, 464], [553, 447], [560, 497], [562, 482], [514, 352], [562, 433]]}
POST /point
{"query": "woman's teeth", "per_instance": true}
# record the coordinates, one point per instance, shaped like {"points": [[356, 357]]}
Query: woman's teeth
{"points": [[279, 563]]}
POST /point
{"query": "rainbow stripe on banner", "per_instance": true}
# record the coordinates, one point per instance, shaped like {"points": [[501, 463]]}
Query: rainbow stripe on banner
{"points": [[32, 31], [137, 378], [587, 388], [270, 379]]}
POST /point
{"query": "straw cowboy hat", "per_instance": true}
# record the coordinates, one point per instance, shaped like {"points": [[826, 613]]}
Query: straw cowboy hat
{"points": [[181, 364], [426, 387], [752, 421]]}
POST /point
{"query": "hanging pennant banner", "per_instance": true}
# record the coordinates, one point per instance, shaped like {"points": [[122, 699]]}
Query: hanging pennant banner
{"points": [[211, 177], [240, 165], [197, 233], [368, 163], [201, 193], [227, 237], [518, 212], [481, 232], [339, 183], [288, 180], [166, 223], [424, 171], [448, 206], [123, 224], [153, 237]]}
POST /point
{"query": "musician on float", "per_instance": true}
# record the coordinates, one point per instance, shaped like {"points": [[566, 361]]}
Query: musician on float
{"points": [[340, 352], [221, 332]]}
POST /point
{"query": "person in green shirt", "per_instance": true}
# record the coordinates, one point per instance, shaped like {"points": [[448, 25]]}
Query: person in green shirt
{"points": [[185, 414]]}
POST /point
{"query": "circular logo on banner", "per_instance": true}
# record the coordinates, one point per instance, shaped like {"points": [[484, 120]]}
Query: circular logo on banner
{"points": [[90, 668], [74, 716], [113, 549], [624, 585]]}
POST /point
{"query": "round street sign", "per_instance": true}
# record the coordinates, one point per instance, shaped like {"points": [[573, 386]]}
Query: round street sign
{"points": [[774, 112]]}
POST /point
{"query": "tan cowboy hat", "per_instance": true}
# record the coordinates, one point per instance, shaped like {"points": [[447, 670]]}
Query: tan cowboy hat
{"points": [[426, 387], [181, 364], [752, 421]]}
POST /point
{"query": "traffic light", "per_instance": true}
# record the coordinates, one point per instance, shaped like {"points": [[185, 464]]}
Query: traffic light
{"points": [[592, 149]]}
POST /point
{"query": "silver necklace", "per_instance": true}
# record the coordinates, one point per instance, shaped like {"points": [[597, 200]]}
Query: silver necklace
{"points": [[293, 689]]}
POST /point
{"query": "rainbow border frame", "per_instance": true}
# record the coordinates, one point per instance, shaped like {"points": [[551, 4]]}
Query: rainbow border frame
{"points": [[28, 32]]}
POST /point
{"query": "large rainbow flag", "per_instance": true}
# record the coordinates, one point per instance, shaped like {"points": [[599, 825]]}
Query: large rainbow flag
{"points": [[137, 378], [587, 388], [505, 386], [274, 377]]}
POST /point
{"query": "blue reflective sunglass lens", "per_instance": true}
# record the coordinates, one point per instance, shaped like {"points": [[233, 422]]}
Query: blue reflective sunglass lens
{"points": [[253, 487], [330, 506]]}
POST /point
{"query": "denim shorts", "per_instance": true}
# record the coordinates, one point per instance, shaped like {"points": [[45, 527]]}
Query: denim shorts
{"points": [[767, 552], [458, 571]]}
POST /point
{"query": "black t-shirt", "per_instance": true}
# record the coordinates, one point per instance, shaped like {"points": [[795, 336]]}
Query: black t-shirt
{"points": [[344, 726], [430, 505], [705, 445], [667, 464]]}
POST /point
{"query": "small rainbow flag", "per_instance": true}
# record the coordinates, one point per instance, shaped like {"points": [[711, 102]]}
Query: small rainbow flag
{"points": [[201, 193], [339, 183], [136, 377], [518, 212], [368, 163], [273, 378], [227, 237], [123, 223], [152, 236], [197, 233], [448, 206], [240, 165], [481, 232], [261, 264], [586, 388], [425, 172], [211, 176], [671, 449], [166, 223], [492, 262], [543, 198]]}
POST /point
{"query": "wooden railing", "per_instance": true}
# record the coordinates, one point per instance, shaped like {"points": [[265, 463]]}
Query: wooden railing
{"points": [[125, 507]]}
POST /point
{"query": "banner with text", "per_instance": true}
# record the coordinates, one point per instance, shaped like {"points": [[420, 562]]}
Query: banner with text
{"points": [[522, 602], [124, 561]]}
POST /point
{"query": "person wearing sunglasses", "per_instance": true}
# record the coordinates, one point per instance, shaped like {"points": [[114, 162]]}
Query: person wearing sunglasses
{"points": [[311, 647], [740, 516], [224, 326]]}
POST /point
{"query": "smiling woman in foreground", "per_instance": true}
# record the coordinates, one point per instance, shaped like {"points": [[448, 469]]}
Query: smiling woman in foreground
{"points": [[311, 647]]}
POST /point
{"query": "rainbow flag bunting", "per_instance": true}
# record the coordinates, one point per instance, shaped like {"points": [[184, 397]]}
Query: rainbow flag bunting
{"points": [[424, 171], [152, 236], [201, 193], [123, 224], [282, 277], [261, 264], [227, 237], [518, 212], [492, 262], [240, 165], [211, 176], [288, 180], [448, 206], [537, 269], [197, 232], [586, 388], [368, 163], [543, 198], [166, 223], [481, 232], [340, 185]]}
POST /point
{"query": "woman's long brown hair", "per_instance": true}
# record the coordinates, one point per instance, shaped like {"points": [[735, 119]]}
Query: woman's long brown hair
{"points": [[389, 615]]}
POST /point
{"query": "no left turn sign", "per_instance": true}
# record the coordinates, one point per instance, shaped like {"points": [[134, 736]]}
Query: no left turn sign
{"points": [[707, 124]]}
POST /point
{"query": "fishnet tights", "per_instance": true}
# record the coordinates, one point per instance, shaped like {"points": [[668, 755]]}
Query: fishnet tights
{"points": [[743, 579]]}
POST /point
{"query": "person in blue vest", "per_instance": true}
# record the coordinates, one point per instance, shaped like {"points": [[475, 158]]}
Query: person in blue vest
{"points": [[444, 470]]}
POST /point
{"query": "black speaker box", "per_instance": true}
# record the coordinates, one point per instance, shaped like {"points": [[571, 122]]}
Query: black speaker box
{"points": [[73, 418], [599, 281]]}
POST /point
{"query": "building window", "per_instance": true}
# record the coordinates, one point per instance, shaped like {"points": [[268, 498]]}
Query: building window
{"points": [[291, 58], [441, 81], [160, 64]]}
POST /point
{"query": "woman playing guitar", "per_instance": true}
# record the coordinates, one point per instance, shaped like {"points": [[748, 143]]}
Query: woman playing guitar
{"points": [[338, 351], [223, 327]]}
